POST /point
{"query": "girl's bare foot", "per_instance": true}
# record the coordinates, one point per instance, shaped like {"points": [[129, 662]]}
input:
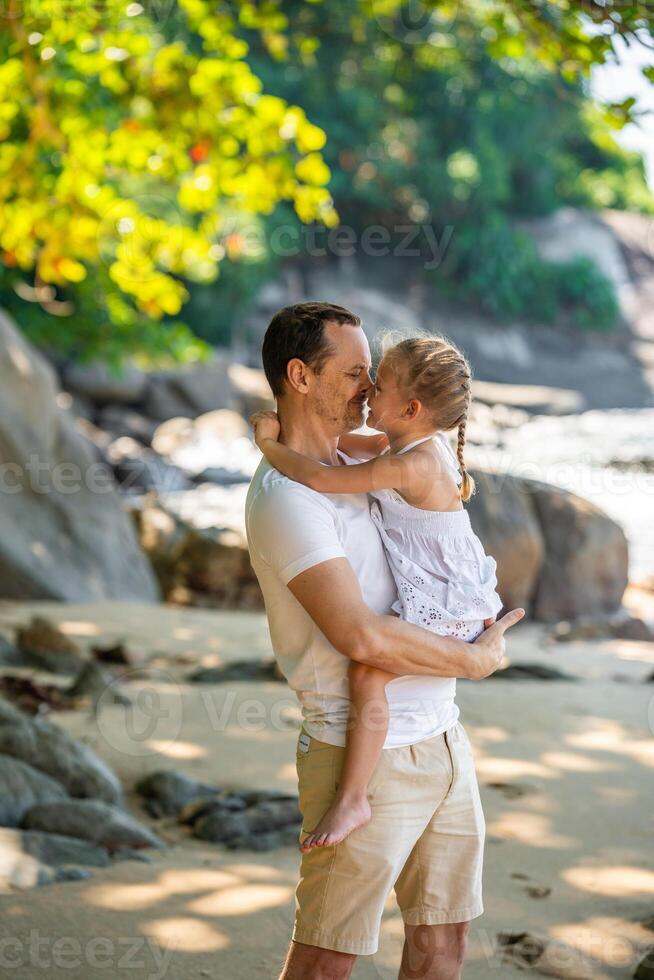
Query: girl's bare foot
{"points": [[342, 817]]}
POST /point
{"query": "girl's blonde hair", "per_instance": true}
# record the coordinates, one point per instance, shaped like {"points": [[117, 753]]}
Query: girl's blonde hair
{"points": [[437, 373]]}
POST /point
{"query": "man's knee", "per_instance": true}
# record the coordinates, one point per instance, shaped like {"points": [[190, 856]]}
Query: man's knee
{"points": [[306, 962], [445, 939]]}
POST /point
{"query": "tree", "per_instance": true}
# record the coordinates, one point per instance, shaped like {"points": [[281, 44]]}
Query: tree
{"points": [[130, 150], [139, 145]]}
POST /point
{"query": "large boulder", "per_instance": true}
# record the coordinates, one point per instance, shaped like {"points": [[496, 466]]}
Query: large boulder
{"points": [[558, 555], [504, 517], [65, 532], [91, 820], [586, 565], [53, 751], [98, 383], [189, 390], [29, 858], [251, 389], [22, 787], [571, 233]]}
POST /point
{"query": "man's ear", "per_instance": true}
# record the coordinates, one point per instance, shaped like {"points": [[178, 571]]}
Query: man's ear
{"points": [[296, 373]]}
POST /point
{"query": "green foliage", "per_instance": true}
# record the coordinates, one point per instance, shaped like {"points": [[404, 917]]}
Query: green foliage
{"points": [[125, 152], [499, 269], [139, 141], [459, 127]]}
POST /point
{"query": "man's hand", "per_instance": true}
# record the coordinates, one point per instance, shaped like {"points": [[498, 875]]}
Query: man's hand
{"points": [[266, 426], [490, 645]]}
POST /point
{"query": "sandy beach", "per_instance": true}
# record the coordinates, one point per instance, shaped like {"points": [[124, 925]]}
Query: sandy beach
{"points": [[565, 769]]}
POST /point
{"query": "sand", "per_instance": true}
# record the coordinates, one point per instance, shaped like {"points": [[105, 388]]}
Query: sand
{"points": [[570, 811]]}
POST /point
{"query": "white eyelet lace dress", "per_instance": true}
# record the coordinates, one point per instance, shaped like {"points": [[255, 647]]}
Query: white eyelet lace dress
{"points": [[446, 583]]}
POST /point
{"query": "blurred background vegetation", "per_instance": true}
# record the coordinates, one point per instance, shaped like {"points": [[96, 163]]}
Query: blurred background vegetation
{"points": [[152, 153]]}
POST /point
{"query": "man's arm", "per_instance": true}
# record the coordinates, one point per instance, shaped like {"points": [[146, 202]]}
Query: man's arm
{"points": [[331, 595]]}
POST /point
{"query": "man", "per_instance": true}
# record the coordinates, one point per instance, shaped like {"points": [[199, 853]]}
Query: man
{"points": [[328, 592]]}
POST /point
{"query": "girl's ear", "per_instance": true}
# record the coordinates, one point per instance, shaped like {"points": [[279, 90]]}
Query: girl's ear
{"points": [[413, 409]]}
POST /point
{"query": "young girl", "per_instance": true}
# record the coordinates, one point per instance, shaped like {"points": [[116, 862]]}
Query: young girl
{"points": [[444, 579]]}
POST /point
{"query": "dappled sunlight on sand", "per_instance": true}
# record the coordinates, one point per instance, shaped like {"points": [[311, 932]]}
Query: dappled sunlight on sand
{"points": [[77, 628], [185, 935], [493, 769], [612, 880], [172, 882], [616, 795], [609, 941], [606, 735], [529, 828], [184, 633], [572, 762], [481, 734], [179, 750], [242, 900], [633, 650]]}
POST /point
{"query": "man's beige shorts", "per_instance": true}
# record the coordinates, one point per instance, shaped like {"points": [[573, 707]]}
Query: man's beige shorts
{"points": [[426, 838]]}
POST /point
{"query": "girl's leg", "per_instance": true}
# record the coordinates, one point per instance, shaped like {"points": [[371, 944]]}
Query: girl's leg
{"points": [[367, 728]]}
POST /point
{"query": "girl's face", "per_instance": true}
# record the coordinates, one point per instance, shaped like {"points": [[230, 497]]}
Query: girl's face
{"points": [[387, 401]]}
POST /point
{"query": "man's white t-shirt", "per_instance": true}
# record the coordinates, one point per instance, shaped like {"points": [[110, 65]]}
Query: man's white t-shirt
{"points": [[291, 528]]}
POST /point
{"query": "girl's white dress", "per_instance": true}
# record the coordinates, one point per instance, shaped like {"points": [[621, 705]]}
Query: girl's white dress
{"points": [[445, 581]]}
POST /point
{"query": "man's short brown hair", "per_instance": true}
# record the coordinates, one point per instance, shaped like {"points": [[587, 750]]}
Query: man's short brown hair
{"points": [[299, 331]]}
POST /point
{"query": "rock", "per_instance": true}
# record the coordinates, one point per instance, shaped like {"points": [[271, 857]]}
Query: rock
{"points": [[29, 858], [631, 628], [218, 441], [222, 425], [139, 469], [541, 399], [548, 956], [645, 969], [22, 787], [239, 670], [53, 751], [216, 561], [585, 571], [98, 383], [571, 233], [227, 802], [91, 682], [265, 841], [47, 647], [528, 672], [117, 653], [580, 629], [221, 476], [503, 516], [511, 791], [167, 792], [11, 655], [91, 820], [223, 826], [162, 536], [538, 891], [65, 533], [172, 435], [122, 421], [189, 390], [251, 390], [31, 696], [621, 625]]}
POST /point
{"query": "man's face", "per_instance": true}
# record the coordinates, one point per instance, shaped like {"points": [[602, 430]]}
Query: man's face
{"points": [[339, 392]]}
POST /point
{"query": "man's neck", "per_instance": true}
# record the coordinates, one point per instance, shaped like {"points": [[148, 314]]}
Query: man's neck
{"points": [[307, 435]]}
